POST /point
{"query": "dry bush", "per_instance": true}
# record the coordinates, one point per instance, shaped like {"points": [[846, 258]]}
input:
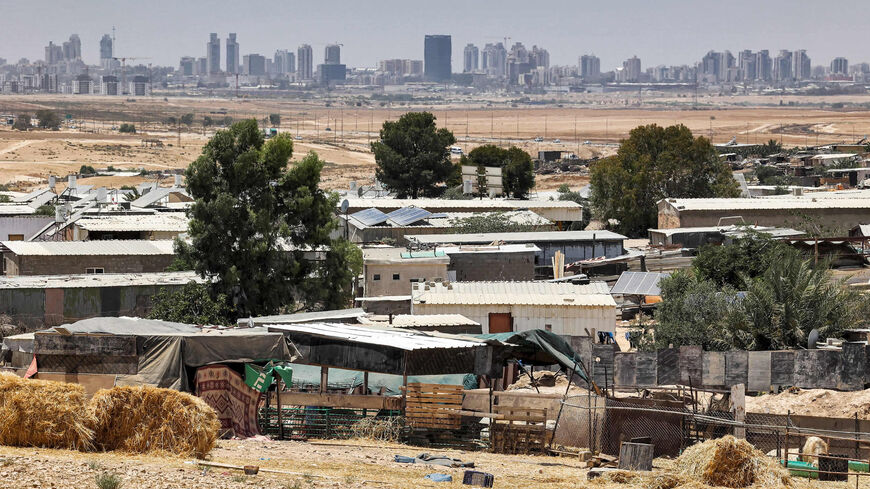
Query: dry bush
{"points": [[378, 429], [46, 414], [730, 462], [147, 419]]}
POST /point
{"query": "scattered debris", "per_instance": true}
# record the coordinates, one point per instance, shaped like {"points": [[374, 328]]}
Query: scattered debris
{"points": [[440, 477]]}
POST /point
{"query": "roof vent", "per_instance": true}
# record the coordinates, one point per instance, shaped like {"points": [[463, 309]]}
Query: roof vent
{"points": [[568, 299]]}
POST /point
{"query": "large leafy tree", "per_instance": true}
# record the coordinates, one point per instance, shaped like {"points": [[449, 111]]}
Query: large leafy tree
{"points": [[745, 258], [652, 164], [518, 171], [413, 156], [254, 220]]}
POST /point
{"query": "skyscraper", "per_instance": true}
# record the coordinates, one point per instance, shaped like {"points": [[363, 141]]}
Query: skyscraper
{"points": [[437, 58], [763, 66], [106, 51], [590, 67], [782, 66], [747, 64], [332, 54], [187, 66], [801, 65], [213, 54], [631, 68], [494, 60], [284, 61], [53, 53], [840, 66], [470, 58], [254, 64], [304, 63], [232, 54]]}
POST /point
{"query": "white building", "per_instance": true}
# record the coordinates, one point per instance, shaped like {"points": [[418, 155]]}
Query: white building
{"points": [[499, 307]]}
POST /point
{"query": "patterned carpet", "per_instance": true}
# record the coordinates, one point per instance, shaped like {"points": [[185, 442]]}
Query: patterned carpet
{"points": [[235, 403]]}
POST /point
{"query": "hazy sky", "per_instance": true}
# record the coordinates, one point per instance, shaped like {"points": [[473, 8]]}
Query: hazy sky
{"points": [[657, 31]]}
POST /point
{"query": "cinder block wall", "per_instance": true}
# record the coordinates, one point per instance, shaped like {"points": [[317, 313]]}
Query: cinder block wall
{"points": [[62, 265]]}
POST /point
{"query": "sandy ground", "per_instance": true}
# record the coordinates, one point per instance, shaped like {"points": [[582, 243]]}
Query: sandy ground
{"points": [[815, 402], [600, 120]]}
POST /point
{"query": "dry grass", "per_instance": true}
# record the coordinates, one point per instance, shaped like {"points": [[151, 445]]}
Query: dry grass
{"points": [[378, 429], [148, 419], [45, 414], [729, 462]]}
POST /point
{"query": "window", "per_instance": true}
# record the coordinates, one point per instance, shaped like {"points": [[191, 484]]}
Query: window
{"points": [[418, 280], [396, 276], [548, 327], [376, 276], [91, 270], [16, 237]]}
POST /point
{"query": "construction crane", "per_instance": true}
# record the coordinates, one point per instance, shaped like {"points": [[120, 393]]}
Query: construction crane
{"points": [[123, 61]]}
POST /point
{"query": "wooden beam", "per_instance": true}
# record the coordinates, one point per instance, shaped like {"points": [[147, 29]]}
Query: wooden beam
{"points": [[338, 400], [324, 379]]}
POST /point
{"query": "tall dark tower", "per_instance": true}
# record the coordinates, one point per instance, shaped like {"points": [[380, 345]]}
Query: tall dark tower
{"points": [[437, 51]]}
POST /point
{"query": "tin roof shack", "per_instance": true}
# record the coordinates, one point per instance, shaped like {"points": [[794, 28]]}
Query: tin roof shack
{"points": [[487, 263], [40, 301], [333, 316], [157, 226], [22, 227], [74, 257], [554, 210], [444, 323], [575, 245], [843, 209], [697, 237], [372, 225], [502, 307], [135, 351], [391, 271]]}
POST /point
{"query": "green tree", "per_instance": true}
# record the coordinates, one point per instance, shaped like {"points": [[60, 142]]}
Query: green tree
{"points": [[489, 222], [87, 170], [254, 220], [566, 194], [488, 155], [227, 121], [652, 164], [187, 119], [45, 210], [48, 119], [275, 120], [22, 122], [745, 258], [126, 128], [192, 303], [172, 120], [207, 121], [413, 156], [519, 174]]}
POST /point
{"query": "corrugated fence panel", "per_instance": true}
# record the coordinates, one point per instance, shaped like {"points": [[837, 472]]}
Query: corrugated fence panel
{"points": [[852, 359], [759, 371], [781, 368], [691, 365], [714, 368], [736, 366], [625, 365], [668, 363], [816, 369], [646, 368]]}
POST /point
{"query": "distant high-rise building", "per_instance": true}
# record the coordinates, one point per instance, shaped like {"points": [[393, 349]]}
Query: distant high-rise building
{"points": [[232, 54], [187, 66], [106, 51], [470, 58], [53, 53], [72, 49], [304, 63], [201, 66], [590, 67], [254, 64], [840, 66], [437, 58], [539, 57], [801, 65], [763, 66], [213, 54], [331, 73], [109, 85], [284, 61], [494, 61], [782, 66], [747, 65], [711, 63], [332, 54], [631, 69]]}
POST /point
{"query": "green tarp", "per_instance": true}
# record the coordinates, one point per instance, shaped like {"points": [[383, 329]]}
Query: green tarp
{"points": [[540, 347], [309, 376]]}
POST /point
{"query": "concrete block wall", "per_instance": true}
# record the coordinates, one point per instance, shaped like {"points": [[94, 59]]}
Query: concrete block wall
{"points": [[65, 265]]}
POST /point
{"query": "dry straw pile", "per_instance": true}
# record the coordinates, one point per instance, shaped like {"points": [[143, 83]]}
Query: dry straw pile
{"points": [[378, 429], [40, 413], [148, 419], [729, 462]]}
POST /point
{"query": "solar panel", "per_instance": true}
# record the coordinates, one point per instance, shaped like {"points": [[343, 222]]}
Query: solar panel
{"points": [[439, 215], [370, 217], [408, 215], [638, 283]]}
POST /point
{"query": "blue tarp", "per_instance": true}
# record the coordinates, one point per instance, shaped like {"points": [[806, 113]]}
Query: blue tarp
{"points": [[308, 376]]}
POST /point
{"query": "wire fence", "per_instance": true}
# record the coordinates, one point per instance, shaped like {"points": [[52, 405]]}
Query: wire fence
{"points": [[602, 425]]}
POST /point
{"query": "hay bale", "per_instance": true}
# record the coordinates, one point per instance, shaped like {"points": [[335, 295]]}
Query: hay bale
{"points": [[730, 462], [149, 419], [39, 413], [648, 480]]}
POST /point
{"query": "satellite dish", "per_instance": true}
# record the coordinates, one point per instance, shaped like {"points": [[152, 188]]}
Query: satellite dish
{"points": [[813, 339], [345, 205]]}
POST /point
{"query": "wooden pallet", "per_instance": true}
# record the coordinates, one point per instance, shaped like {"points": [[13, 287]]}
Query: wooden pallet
{"points": [[431, 405], [519, 430]]}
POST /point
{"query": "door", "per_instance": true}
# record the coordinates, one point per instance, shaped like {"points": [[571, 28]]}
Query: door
{"points": [[500, 322]]}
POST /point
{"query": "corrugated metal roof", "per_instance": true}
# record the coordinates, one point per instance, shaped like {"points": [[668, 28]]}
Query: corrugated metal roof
{"points": [[304, 317], [505, 248], [97, 280], [90, 248], [393, 204], [155, 195], [166, 221], [524, 217], [523, 237], [417, 320], [390, 337], [638, 283], [596, 294], [15, 209], [381, 255], [714, 204]]}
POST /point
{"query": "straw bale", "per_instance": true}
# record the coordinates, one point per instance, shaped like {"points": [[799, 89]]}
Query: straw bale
{"points": [[378, 429], [642, 480], [40, 413], [149, 419], [730, 462]]}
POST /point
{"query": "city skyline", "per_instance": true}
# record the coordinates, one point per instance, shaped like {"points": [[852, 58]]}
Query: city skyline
{"points": [[165, 39]]}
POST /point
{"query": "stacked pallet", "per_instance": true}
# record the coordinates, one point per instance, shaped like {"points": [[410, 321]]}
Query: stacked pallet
{"points": [[519, 430], [433, 406]]}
